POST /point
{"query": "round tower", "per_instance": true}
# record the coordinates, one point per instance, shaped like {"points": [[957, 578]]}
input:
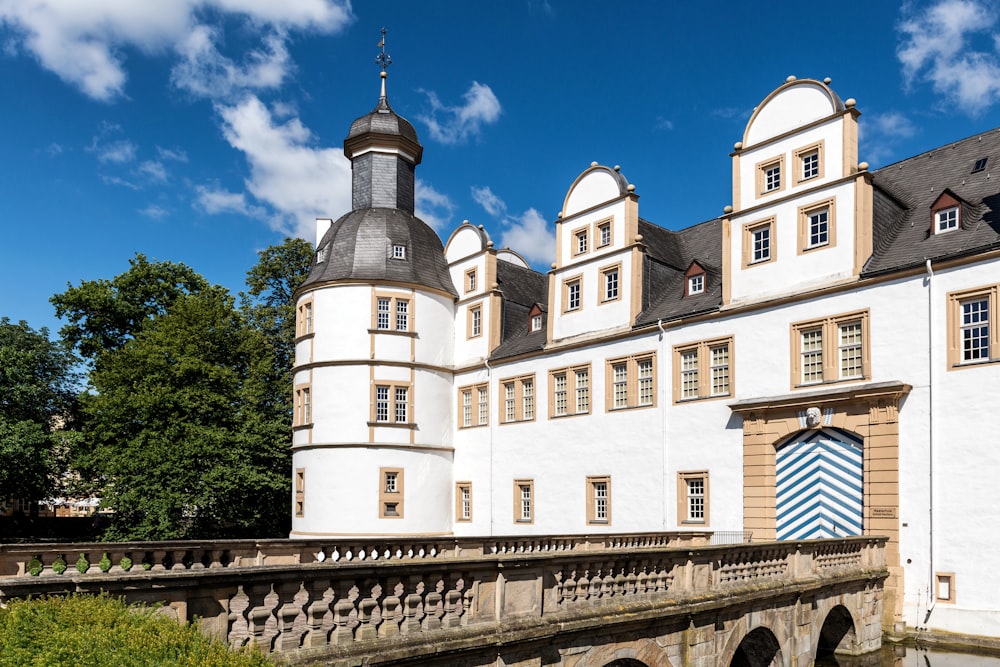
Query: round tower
{"points": [[371, 444]]}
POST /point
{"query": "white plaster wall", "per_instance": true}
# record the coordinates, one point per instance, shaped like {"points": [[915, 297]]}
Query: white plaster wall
{"points": [[434, 400], [342, 491], [595, 187], [793, 107], [341, 404], [434, 321], [814, 267], [464, 241], [614, 210], [341, 319], [830, 133], [594, 315]]}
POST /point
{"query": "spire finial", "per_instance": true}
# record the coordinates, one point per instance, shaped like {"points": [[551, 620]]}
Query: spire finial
{"points": [[383, 60]]}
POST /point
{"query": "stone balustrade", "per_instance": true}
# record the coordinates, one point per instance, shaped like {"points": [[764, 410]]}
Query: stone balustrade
{"points": [[316, 598]]}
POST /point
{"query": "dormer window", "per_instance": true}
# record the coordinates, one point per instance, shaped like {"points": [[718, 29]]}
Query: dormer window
{"points": [[696, 284], [946, 220], [536, 322], [321, 255], [980, 165], [399, 251]]}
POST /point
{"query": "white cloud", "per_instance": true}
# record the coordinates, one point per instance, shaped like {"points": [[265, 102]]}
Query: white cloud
{"points": [[663, 123], [116, 152], [953, 45], [205, 72], [490, 202], [530, 236], [455, 124], [84, 42], [433, 207], [154, 211], [115, 180], [176, 155], [880, 134], [527, 234], [153, 170], [297, 180]]}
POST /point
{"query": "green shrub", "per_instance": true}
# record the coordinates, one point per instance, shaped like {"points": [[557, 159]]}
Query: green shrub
{"points": [[35, 566], [102, 631], [104, 563], [126, 563], [59, 564]]}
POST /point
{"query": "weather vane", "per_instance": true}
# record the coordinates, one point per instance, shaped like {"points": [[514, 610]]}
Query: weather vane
{"points": [[383, 59]]}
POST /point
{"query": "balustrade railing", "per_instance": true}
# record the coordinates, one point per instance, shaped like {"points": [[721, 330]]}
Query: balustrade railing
{"points": [[302, 595]]}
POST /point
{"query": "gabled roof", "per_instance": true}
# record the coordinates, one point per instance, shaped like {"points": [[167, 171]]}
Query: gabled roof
{"points": [[522, 289], [906, 190]]}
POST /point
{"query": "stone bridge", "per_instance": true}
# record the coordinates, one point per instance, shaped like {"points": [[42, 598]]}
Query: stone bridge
{"points": [[601, 601]]}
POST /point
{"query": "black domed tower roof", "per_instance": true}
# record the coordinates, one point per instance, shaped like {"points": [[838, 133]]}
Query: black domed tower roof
{"points": [[381, 238]]}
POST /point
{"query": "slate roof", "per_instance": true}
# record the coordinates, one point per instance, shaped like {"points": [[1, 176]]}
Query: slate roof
{"points": [[359, 246], [521, 288], [905, 191], [383, 120]]}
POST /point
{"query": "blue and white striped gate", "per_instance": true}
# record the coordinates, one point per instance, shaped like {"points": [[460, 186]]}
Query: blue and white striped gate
{"points": [[819, 485]]}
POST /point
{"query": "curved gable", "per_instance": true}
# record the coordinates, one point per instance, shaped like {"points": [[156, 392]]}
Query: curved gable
{"points": [[794, 104], [596, 185], [464, 241]]}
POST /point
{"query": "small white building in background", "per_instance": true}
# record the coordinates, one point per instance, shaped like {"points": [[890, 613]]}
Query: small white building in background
{"points": [[820, 361]]}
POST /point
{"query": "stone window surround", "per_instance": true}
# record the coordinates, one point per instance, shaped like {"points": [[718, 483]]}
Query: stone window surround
{"points": [[389, 500], [830, 327], [954, 317], [704, 350]]}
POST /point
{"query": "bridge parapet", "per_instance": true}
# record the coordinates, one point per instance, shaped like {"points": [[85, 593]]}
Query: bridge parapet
{"points": [[408, 599]]}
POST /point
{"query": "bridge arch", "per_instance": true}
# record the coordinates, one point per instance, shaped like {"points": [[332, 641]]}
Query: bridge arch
{"points": [[758, 648], [636, 653], [838, 633]]}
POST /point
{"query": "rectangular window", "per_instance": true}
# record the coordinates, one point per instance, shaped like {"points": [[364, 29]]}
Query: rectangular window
{"points": [[466, 395], [475, 323], [383, 311], [944, 586], [536, 322], [571, 294], [603, 234], [946, 220], [580, 238], [402, 315], [484, 406], [692, 497], [471, 278], [569, 391], [399, 252], [696, 284], [390, 493], [758, 242], [303, 406], [300, 492], [631, 382], [810, 162], [703, 369], [524, 491], [770, 175], [817, 226], [599, 500], [518, 399], [831, 349], [463, 501], [610, 280], [392, 313], [304, 321], [973, 337], [390, 405]]}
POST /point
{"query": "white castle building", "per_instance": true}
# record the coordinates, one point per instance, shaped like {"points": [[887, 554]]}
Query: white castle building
{"points": [[822, 360]]}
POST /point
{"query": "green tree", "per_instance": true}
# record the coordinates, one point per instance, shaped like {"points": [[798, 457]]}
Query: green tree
{"points": [[37, 401], [188, 425], [105, 314]]}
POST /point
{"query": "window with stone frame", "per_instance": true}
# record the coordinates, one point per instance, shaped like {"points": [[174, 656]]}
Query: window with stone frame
{"points": [[692, 497], [630, 382], [517, 399], [391, 493], [569, 391], [831, 349], [473, 406], [703, 369], [973, 333], [599, 500], [463, 502], [524, 501]]}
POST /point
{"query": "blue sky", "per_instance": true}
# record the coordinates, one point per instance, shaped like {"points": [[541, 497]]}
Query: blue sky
{"points": [[201, 131]]}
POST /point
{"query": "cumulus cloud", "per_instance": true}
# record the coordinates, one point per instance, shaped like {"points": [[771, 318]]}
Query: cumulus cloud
{"points": [[433, 207], [527, 234], [882, 133], [953, 46], [154, 211], [175, 155], [289, 174], [153, 170], [121, 151], [454, 124], [205, 72], [84, 42]]}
